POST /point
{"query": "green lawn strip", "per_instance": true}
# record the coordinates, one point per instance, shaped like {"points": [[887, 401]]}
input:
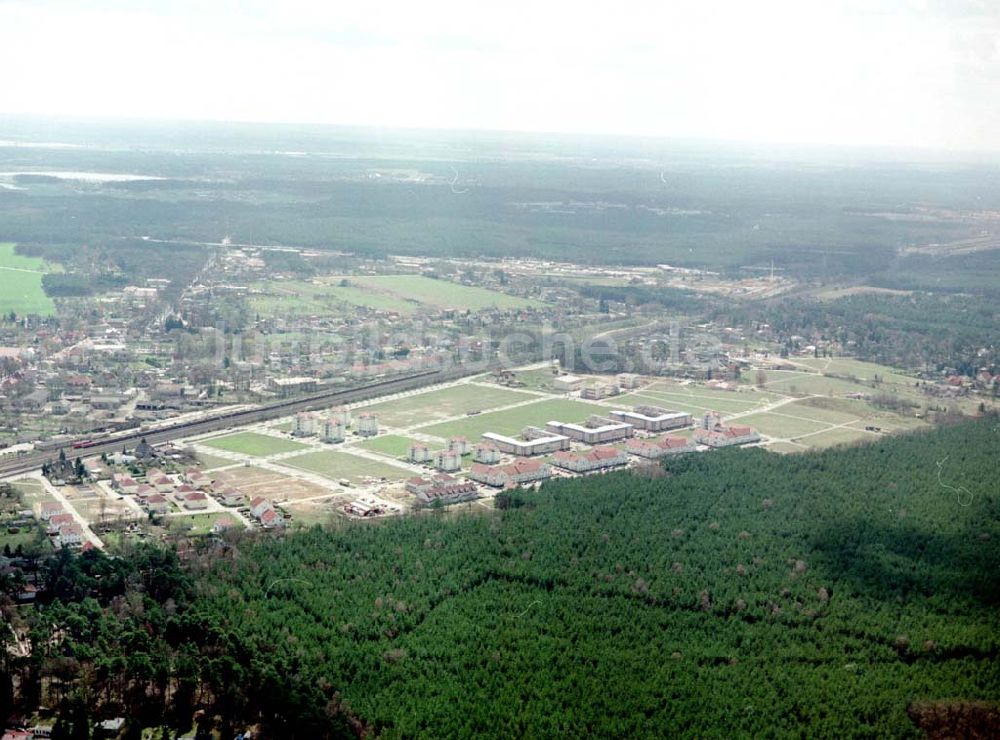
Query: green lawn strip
{"points": [[337, 464]]}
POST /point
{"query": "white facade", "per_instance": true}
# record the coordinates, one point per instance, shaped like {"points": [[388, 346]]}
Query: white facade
{"points": [[419, 453], [333, 430], [367, 425], [304, 424], [447, 460]]}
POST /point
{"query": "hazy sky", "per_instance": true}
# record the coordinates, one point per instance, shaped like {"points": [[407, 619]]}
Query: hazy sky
{"points": [[902, 72]]}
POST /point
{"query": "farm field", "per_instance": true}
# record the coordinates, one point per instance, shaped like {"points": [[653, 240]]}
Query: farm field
{"points": [[422, 408], [252, 443], [254, 481], [392, 445], [513, 421], [21, 284], [335, 465], [441, 293]]}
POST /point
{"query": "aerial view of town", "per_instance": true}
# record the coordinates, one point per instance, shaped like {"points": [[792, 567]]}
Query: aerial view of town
{"points": [[524, 370], [140, 412]]}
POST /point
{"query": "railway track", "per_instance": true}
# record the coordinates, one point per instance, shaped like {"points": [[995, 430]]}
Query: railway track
{"points": [[225, 420]]}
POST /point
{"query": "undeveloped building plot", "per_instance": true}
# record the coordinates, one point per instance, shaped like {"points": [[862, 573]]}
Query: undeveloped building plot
{"points": [[323, 511], [274, 486], [252, 443], [98, 510], [337, 465]]}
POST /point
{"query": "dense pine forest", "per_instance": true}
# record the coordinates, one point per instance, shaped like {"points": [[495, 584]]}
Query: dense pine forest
{"points": [[843, 593]]}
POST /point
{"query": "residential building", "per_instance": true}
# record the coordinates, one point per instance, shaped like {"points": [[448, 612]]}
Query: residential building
{"points": [[304, 424], [195, 500], [598, 391], [595, 430], [714, 433], [333, 430], [486, 452], [124, 484], [441, 488], [653, 449], [599, 458], [70, 535], [653, 418], [567, 383], [460, 445], [534, 441], [419, 453], [157, 504], [629, 381], [49, 509], [259, 505], [231, 497], [516, 473], [222, 524], [161, 483], [447, 460], [341, 415], [367, 424], [271, 518]]}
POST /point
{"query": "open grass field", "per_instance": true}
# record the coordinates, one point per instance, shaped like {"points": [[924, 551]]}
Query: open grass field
{"points": [[440, 293], [695, 400], [512, 421], [336, 465], [403, 294], [211, 462], [860, 369], [199, 524], [392, 445], [251, 443], [307, 297], [377, 300], [776, 424], [32, 492], [840, 436], [423, 408], [811, 383], [830, 410], [254, 481], [21, 284]]}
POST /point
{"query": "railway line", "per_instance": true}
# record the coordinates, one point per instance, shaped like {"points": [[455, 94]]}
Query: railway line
{"points": [[228, 419]]}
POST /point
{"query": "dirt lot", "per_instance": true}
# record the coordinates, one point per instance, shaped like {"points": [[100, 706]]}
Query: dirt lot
{"points": [[277, 487]]}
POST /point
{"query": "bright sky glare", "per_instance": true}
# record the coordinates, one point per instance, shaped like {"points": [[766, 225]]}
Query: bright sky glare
{"points": [[854, 72]]}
